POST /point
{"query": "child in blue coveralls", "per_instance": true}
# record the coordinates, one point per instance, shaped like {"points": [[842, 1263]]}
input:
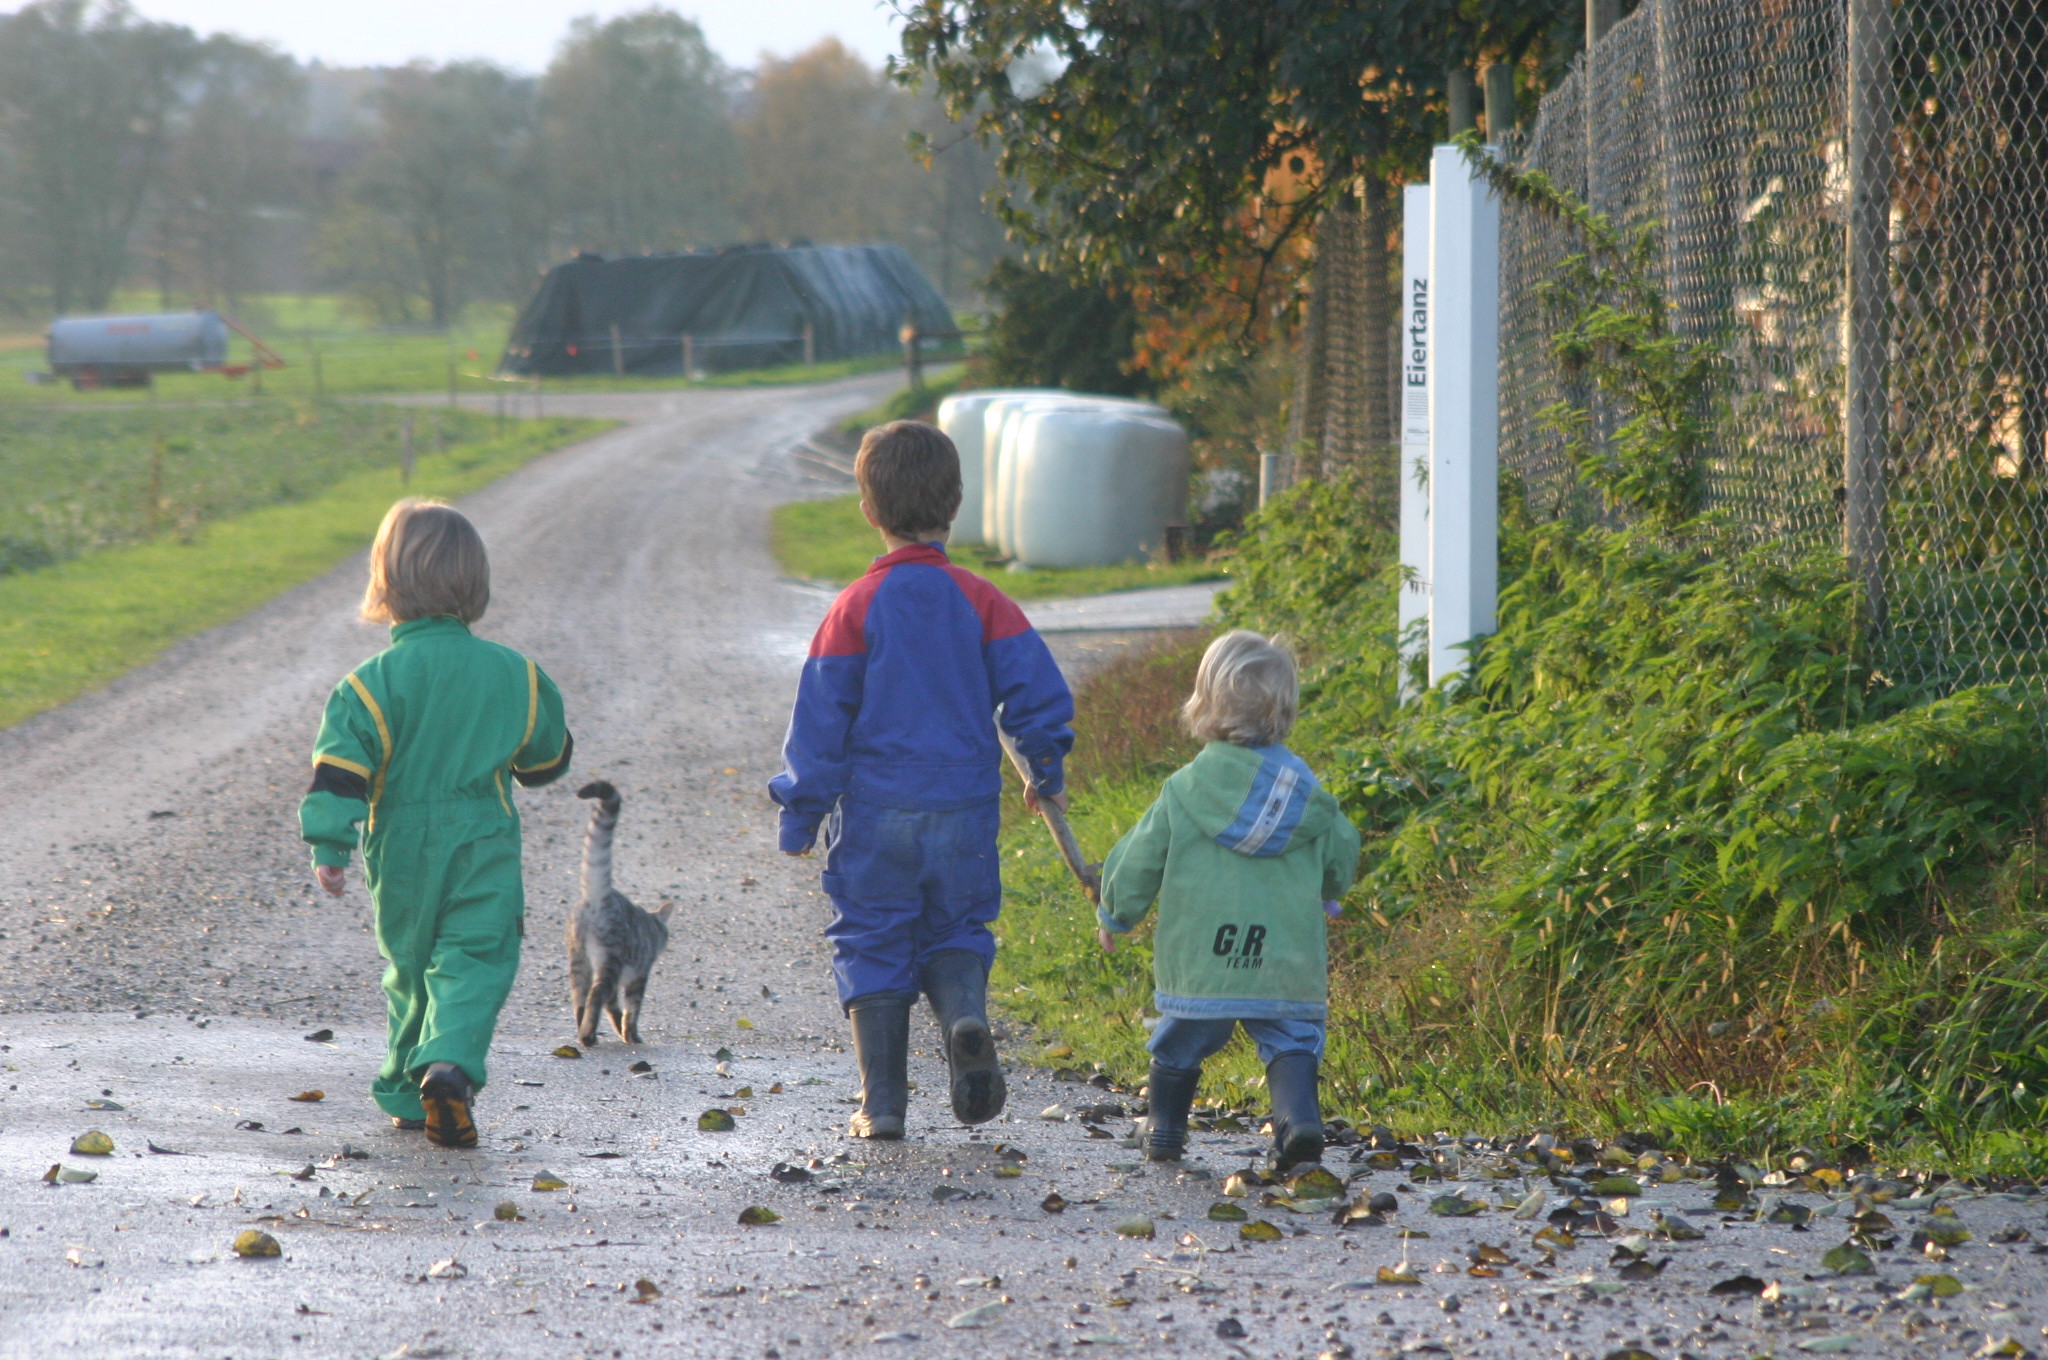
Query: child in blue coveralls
{"points": [[892, 752]]}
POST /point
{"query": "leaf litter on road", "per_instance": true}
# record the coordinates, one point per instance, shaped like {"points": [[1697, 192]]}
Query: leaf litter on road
{"points": [[93, 1143]]}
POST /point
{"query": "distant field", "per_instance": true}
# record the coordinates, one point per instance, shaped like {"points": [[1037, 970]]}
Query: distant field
{"points": [[829, 541], [328, 354]]}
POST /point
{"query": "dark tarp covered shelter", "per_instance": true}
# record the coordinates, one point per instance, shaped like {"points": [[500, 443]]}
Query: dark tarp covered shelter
{"points": [[741, 307]]}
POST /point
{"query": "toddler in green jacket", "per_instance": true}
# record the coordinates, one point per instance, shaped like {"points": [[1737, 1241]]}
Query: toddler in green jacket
{"points": [[1246, 855]]}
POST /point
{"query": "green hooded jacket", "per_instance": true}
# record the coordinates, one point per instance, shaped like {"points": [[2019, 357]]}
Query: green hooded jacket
{"points": [[1241, 850]]}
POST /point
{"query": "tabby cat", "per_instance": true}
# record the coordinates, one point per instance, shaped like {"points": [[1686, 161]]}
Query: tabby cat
{"points": [[612, 943]]}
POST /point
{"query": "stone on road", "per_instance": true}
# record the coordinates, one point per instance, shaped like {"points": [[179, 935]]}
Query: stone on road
{"points": [[173, 981]]}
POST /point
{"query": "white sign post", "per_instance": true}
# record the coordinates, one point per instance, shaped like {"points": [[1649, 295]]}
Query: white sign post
{"points": [[1414, 457], [1464, 409]]}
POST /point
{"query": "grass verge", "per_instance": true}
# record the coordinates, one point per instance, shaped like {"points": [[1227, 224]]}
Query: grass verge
{"points": [[77, 625], [828, 541]]}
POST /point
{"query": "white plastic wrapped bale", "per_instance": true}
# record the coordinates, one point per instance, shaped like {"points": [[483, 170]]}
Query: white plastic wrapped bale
{"points": [[1096, 486], [1000, 466], [960, 417]]}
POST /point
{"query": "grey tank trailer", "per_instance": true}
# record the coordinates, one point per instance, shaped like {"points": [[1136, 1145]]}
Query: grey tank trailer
{"points": [[127, 351]]}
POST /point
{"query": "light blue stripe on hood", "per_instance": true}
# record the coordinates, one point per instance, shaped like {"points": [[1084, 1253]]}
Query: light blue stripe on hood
{"points": [[1272, 810]]}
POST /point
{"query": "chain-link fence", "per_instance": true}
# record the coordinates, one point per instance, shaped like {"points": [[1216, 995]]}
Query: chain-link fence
{"points": [[1850, 203]]}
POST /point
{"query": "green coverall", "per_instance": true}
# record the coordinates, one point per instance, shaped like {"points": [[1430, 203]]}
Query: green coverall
{"points": [[417, 743]]}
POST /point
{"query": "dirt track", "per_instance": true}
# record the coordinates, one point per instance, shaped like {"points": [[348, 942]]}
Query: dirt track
{"points": [[164, 951]]}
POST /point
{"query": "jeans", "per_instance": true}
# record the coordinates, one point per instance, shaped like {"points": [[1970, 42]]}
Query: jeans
{"points": [[1185, 1043]]}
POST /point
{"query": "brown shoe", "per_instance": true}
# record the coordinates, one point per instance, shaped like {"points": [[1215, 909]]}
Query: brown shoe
{"points": [[446, 1093]]}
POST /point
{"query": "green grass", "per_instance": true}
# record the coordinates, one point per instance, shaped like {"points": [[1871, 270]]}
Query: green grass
{"points": [[828, 541], [72, 627]]}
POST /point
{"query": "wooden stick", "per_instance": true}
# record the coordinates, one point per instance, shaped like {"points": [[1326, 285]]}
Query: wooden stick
{"points": [[1089, 875]]}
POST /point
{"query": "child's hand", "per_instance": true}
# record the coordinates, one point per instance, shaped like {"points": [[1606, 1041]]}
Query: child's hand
{"points": [[332, 877], [1058, 800], [1106, 940]]}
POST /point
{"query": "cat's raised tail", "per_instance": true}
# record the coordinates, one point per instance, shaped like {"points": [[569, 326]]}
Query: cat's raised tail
{"points": [[597, 844]]}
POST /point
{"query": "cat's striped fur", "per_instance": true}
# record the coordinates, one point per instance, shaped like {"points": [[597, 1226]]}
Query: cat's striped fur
{"points": [[612, 943]]}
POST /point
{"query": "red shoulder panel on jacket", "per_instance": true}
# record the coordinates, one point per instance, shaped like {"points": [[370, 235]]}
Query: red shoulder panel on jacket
{"points": [[844, 631], [1000, 616]]}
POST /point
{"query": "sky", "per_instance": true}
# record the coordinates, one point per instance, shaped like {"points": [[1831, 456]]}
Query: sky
{"points": [[520, 34]]}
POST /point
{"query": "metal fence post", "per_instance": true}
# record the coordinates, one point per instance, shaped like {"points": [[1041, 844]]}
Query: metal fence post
{"points": [[1414, 416], [1464, 409], [1867, 296]]}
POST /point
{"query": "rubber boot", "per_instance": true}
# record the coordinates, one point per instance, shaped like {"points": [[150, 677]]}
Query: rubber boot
{"points": [[446, 1092], [956, 981], [1297, 1118], [881, 1049], [1172, 1093]]}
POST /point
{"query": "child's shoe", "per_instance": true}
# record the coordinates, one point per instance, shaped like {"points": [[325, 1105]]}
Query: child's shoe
{"points": [[446, 1092], [1297, 1118], [956, 980], [881, 1049], [1170, 1095]]}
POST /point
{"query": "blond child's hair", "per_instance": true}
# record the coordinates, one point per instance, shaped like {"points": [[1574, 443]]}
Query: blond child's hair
{"points": [[428, 561], [1247, 690]]}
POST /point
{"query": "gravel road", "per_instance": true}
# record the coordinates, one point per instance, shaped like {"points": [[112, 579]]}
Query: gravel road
{"points": [[167, 961]]}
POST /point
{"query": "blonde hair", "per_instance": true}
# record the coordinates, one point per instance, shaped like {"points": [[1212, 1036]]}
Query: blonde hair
{"points": [[428, 560], [1246, 692]]}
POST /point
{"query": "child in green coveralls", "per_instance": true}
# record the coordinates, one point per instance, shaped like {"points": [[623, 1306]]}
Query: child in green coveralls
{"points": [[417, 744], [1246, 855]]}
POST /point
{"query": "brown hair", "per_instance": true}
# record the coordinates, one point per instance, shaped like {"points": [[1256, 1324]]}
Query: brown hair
{"points": [[1246, 692], [909, 476], [428, 560]]}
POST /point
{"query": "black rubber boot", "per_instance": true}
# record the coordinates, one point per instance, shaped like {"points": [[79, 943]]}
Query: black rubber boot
{"points": [[446, 1091], [956, 981], [881, 1048], [1172, 1092], [1297, 1118]]}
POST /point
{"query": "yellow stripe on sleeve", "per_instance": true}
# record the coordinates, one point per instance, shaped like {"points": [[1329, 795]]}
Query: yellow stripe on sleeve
{"points": [[383, 737], [338, 763]]}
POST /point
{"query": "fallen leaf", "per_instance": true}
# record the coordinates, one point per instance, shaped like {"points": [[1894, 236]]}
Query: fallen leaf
{"points": [[744, 1093], [1008, 1171], [1672, 1228], [776, 1089], [164, 1151], [642, 1066], [320, 1036], [1315, 1183], [1826, 1345], [758, 1216], [885, 1338], [71, 1175], [308, 1097], [722, 1055], [1259, 1230], [644, 1291], [1398, 1275], [715, 1121], [1230, 1329], [744, 1023], [2002, 1346], [1736, 1286], [1057, 1052], [1532, 1206], [978, 1317], [449, 1269], [1796, 1215], [1237, 1185], [1136, 1227], [788, 1173], [103, 1105], [1223, 1211], [1053, 1204], [1615, 1185], [1847, 1260], [544, 1181], [508, 1212], [568, 1051], [1455, 1206], [1643, 1269], [1053, 1113], [93, 1143], [254, 1243], [1557, 1238], [1942, 1234], [1629, 1353], [1939, 1286]]}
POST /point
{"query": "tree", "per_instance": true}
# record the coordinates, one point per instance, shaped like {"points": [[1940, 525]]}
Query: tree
{"points": [[640, 148], [236, 151], [836, 152], [87, 92], [432, 213]]}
